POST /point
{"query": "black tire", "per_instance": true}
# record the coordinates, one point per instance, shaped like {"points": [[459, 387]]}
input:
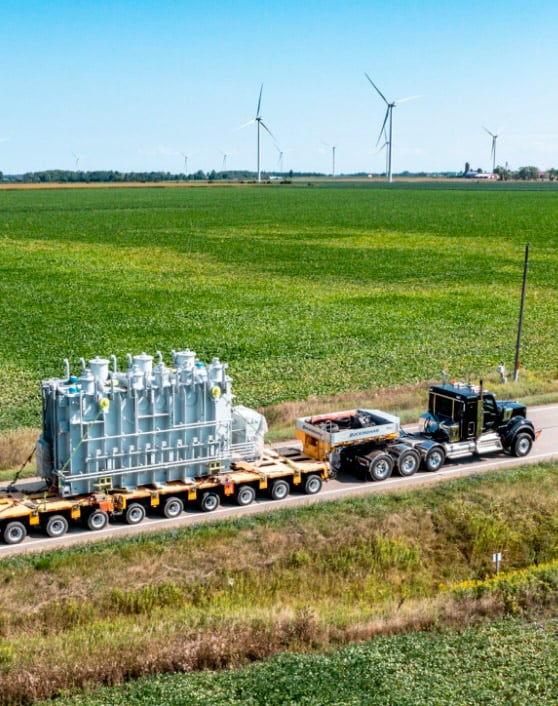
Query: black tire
{"points": [[312, 484], [245, 495], [173, 507], [14, 532], [434, 459], [209, 501], [97, 520], [134, 514], [408, 463], [56, 526], [380, 466], [279, 489], [522, 445]]}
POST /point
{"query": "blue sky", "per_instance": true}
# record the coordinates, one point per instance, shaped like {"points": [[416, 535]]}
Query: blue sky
{"points": [[131, 85]]}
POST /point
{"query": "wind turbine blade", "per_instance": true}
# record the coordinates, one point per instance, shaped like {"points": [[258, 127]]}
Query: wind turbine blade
{"points": [[259, 102], [404, 100], [250, 122], [488, 131], [382, 131], [267, 129], [377, 89]]}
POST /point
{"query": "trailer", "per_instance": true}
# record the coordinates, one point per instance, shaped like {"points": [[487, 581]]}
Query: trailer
{"points": [[27, 510]]}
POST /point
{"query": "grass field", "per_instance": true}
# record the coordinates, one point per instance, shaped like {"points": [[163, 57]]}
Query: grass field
{"points": [[223, 595], [304, 291]]}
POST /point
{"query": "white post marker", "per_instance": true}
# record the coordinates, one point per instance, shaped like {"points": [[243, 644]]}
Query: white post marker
{"points": [[497, 558]]}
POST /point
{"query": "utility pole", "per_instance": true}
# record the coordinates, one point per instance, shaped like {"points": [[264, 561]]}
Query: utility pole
{"points": [[520, 324]]}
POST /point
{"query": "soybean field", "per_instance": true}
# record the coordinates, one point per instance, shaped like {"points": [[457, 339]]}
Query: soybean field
{"points": [[304, 290]]}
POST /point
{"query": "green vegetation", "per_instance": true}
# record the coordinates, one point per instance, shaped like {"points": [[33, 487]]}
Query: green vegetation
{"points": [[502, 664], [311, 579], [303, 291]]}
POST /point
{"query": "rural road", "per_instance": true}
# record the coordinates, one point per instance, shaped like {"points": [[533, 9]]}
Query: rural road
{"points": [[545, 449]]}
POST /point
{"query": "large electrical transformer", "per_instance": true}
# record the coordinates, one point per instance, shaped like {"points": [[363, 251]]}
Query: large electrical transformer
{"points": [[148, 425]]}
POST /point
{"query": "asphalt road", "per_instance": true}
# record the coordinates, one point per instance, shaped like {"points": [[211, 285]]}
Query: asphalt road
{"points": [[545, 449]]}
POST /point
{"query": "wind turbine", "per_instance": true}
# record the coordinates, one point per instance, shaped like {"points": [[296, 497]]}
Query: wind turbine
{"points": [[493, 152], [333, 148], [260, 123], [77, 158], [185, 163], [388, 120], [225, 155]]}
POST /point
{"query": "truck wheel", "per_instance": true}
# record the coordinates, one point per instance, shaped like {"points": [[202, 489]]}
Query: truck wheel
{"points": [[434, 459], [97, 520], [14, 532], [380, 466], [279, 490], [245, 495], [134, 514], [408, 463], [56, 526], [172, 508], [312, 485], [522, 445], [209, 502]]}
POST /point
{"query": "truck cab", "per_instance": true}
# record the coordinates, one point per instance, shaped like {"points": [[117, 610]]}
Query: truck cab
{"points": [[460, 412]]}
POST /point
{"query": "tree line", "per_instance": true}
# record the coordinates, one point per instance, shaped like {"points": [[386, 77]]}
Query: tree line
{"points": [[67, 176]]}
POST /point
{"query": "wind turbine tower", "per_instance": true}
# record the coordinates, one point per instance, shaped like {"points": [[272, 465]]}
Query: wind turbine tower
{"points": [[388, 120], [493, 152], [185, 163], [333, 148]]}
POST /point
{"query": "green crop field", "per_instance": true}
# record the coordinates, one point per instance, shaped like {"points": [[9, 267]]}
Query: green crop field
{"points": [[303, 291]]}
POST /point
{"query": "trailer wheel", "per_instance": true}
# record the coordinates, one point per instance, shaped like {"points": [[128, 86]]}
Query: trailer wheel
{"points": [[434, 459], [380, 466], [279, 490], [56, 526], [14, 532], [134, 514], [245, 495], [522, 445], [173, 507], [408, 463], [209, 502], [97, 520], [312, 485]]}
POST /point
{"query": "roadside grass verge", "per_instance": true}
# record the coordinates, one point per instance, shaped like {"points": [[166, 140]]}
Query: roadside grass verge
{"points": [[221, 595]]}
